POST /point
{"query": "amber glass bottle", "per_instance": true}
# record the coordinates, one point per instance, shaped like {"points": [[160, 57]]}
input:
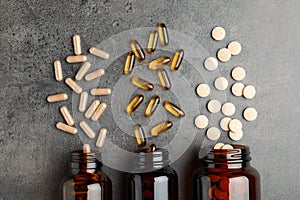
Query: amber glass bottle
{"points": [[227, 175], [85, 180], [159, 184]]}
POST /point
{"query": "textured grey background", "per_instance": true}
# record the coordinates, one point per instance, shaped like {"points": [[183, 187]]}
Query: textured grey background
{"points": [[35, 32]]}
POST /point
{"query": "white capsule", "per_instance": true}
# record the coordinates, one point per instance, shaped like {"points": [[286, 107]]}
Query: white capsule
{"points": [[83, 101], [57, 97], [95, 74], [99, 111], [58, 70], [90, 111], [67, 115], [100, 91], [76, 59], [73, 85], [77, 44], [87, 129], [64, 127], [99, 53], [101, 138], [83, 70]]}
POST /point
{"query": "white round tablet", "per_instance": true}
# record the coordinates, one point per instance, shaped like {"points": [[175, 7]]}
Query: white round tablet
{"points": [[219, 145], [235, 48], [224, 55], [227, 147], [224, 123], [213, 133], [214, 106], [236, 136], [250, 114], [249, 92], [203, 90], [238, 73], [211, 63], [201, 121], [221, 83], [235, 125], [237, 89], [228, 109], [218, 33]]}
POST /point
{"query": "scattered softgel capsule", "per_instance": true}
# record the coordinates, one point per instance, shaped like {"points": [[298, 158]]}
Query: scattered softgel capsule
{"points": [[163, 34], [159, 63], [83, 70], [152, 106], [90, 111], [140, 135], [152, 43], [58, 70], [83, 101], [99, 111], [77, 44], [164, 79], [66, 128], [95, 74], [100, 91], [161, 128], [99, 53], [173, 109], [101, 137], [134, 103], [57, 97], [129, 64], [86, 148], [177, 60], [73, 85], [137, 50], [76, 59], [87, 129], [67, 115], [141, 83]]}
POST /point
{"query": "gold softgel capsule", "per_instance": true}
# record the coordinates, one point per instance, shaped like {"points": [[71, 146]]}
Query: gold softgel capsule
{"points": [[177, 60], [141, 83], [173, 109], [137, 50], [152, 106], [140, 135], [159, 63], [134, 103], [152, 43], [161, 128]]}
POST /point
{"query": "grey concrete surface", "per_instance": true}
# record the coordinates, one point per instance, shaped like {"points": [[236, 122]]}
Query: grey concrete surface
{"points": [[35, 32]]}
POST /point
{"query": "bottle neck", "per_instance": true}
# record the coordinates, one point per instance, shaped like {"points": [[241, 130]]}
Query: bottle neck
{"points": [[152, 161], [228, 159], [84, 162]]}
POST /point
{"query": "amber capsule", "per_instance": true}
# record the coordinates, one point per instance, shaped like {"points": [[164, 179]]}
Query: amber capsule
{"points": [[173, 109], [141, 83], [137, 50], [177, 59], [134, 103], [159, 63], [163, 34], [164, 79], [129, 64], [152, 106], [161, 128], [152, 43], [140, 135]]}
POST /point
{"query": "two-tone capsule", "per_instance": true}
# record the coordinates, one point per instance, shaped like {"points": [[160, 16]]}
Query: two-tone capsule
{"points": [[87, 129], [99, 53], [163, 34], [152, 43], [152, 106], [83, 101], [177, 60], [173, 109], [76, 59], [101, 137], [135, 103], [66, 128], [164, 79], [57, 97], [67, 115], [141, 83], [129, 64], [159, 63], [99, 111], [95, 74], [83, 70], [139, 135], [91, 110], [137, 50], [100, 91], [161, 128]]}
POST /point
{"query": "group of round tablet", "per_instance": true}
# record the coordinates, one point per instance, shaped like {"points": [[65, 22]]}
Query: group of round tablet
{"points": [[233, 126]]}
